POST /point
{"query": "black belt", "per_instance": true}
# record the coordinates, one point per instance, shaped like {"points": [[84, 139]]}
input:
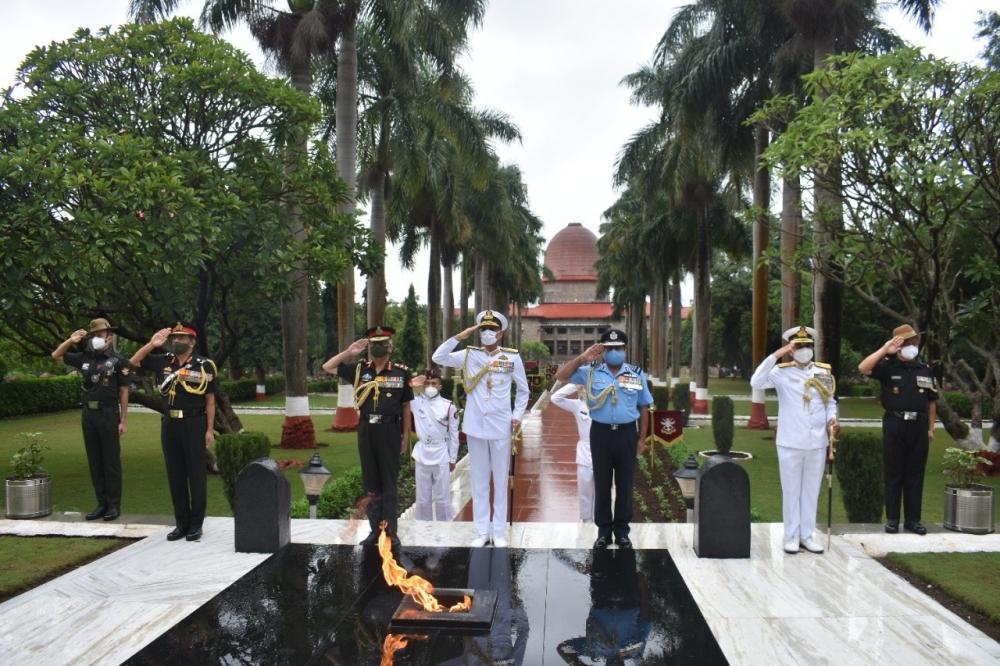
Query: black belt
{"points": [[383, 418], [614, 426], [906, 416], [183, 413], [98, 404]]}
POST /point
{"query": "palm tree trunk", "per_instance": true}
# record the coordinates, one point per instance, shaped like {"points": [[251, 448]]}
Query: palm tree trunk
{"points": [[375, 290], [433, 295], [658, 329], [761, 235], [675, 328], [347, 167], [448, 311], [703, 313], [463, 294], [791, 224], [829, 220]]}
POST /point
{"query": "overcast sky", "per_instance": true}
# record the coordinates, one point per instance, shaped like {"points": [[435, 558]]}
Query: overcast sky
{"points": [[553, 65]]}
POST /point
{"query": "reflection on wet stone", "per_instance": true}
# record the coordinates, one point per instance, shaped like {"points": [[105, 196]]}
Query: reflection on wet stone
{"points": [[330, 605]]}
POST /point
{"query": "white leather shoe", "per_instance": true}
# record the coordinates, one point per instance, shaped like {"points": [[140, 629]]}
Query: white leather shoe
{"points": [[499, 542], [480, 541], [812, 545], [792, 546]]}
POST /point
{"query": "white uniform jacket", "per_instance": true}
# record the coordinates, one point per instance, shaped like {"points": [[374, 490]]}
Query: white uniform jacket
{"points": [[802, 423], [578, 408], [436, 421]]}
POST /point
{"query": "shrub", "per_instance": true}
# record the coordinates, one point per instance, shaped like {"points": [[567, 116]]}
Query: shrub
{"points": [[323, 386], [341, 494], [679, 453], [961, 467], [233, 452], [239, 390], [300, 508], [859, 469], [274, 384], [26, 463], [661, 396], [722, 423], [682, 400], [39, 395]]}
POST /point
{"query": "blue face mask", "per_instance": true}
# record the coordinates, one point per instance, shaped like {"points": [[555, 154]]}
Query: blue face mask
{"points": [[614, 357]]}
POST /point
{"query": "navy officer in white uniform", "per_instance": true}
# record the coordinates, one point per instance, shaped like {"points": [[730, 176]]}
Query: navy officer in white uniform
{"points": [[488, 372], [807, 411]]}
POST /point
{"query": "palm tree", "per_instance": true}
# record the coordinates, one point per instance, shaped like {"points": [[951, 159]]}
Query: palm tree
{"points": [[293, 39]]}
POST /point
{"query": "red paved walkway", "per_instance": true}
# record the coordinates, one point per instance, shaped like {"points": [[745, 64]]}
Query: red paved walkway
{"points": [[545, 476]]}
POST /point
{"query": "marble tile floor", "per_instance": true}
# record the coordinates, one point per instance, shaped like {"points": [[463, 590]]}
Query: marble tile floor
{"points": [[842, 607]]}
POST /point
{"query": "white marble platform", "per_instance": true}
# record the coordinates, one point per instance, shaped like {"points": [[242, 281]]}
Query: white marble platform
{"points": [[842, 607]]}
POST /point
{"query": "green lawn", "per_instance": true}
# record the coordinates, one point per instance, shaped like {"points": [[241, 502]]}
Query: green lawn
{"points": [[969, 577], [29, 561], [144, 479], [278, 400], [765, 486]]}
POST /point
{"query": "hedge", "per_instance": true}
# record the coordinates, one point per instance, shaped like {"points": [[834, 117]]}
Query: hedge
{"points": [[682, 400], [342, 493], [661, 396], [39, 395], [233, 452], [859, 471], [963, 406], [722, 423]]}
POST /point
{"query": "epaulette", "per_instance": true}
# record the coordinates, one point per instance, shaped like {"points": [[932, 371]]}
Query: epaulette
{"points": [[634, 368], [785, 365], [509, 350], [825, 366]]}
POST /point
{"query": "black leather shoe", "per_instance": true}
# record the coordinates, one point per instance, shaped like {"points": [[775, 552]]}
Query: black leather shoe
{"points": [[623, 542], [96, 513], [112, 513], [193, 534], [175, 534], [892, 526], [915, 527], [601, 543]]}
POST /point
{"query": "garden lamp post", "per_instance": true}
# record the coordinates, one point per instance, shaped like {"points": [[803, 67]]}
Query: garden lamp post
{"points": [[314, 477], [686, 476]]}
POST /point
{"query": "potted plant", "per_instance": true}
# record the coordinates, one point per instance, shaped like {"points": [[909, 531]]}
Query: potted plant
{"points": [[968, 504], [28, 489]]}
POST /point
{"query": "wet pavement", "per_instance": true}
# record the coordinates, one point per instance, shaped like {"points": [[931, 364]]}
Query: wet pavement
{"points": [[311, 604]]}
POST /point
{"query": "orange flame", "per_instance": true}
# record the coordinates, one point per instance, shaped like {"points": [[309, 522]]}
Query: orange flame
{"points": [[390, 646], [419, 588]]}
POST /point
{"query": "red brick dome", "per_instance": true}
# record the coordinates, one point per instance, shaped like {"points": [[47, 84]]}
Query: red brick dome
{"points": [[572, 253]]}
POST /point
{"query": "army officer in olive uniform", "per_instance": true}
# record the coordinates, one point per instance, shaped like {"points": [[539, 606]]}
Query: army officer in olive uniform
{"points": [[382, 396], [188, 383], [105, 407], [909, 398]]}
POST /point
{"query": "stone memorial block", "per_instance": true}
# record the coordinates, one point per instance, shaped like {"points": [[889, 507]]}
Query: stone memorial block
{"points": [[263, 508], [722, 510]]}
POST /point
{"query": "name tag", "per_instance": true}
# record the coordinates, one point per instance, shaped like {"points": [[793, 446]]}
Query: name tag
{"points": [[389, 382], [925, 382]]}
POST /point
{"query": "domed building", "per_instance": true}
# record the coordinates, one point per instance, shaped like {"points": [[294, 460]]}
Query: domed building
{"points": [[570, 316]]}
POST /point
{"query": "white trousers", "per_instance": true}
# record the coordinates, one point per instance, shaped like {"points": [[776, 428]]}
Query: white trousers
{"points": [[489, 459], [801, 472], [585, 488], [433, 491]]}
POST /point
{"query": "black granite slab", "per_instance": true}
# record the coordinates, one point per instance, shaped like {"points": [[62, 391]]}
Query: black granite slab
{"points": [[329, 605]]}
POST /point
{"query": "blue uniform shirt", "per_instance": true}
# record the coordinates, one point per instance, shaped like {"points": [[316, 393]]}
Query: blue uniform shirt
{"points": [[631, 388]]}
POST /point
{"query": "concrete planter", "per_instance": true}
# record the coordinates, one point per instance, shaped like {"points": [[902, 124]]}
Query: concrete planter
{"points": [[969, 509], [28, 498]]}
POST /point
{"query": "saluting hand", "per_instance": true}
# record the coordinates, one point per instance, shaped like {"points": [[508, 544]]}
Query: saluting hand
{"points": [[358, 346], [160, 337], [467, 332], [894, 345], [78, 335], [787, 349], [418, 381], [593, 352]]}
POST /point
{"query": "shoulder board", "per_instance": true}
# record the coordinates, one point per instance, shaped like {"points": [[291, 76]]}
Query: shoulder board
{"points": [[825, 366], [786, 365], [634, 368], [509, 350]]}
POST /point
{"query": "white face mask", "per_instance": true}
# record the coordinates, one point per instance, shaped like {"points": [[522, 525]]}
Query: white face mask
{"points": [[431, 391], [909, 352], [488, 337], [97, 344], [803, 355]]}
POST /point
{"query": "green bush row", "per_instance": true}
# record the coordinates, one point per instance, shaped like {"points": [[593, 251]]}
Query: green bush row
{"points": [[342, 493], [963, 406], [33, 395], [859, 471], [241, 390], [723, 423]]}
